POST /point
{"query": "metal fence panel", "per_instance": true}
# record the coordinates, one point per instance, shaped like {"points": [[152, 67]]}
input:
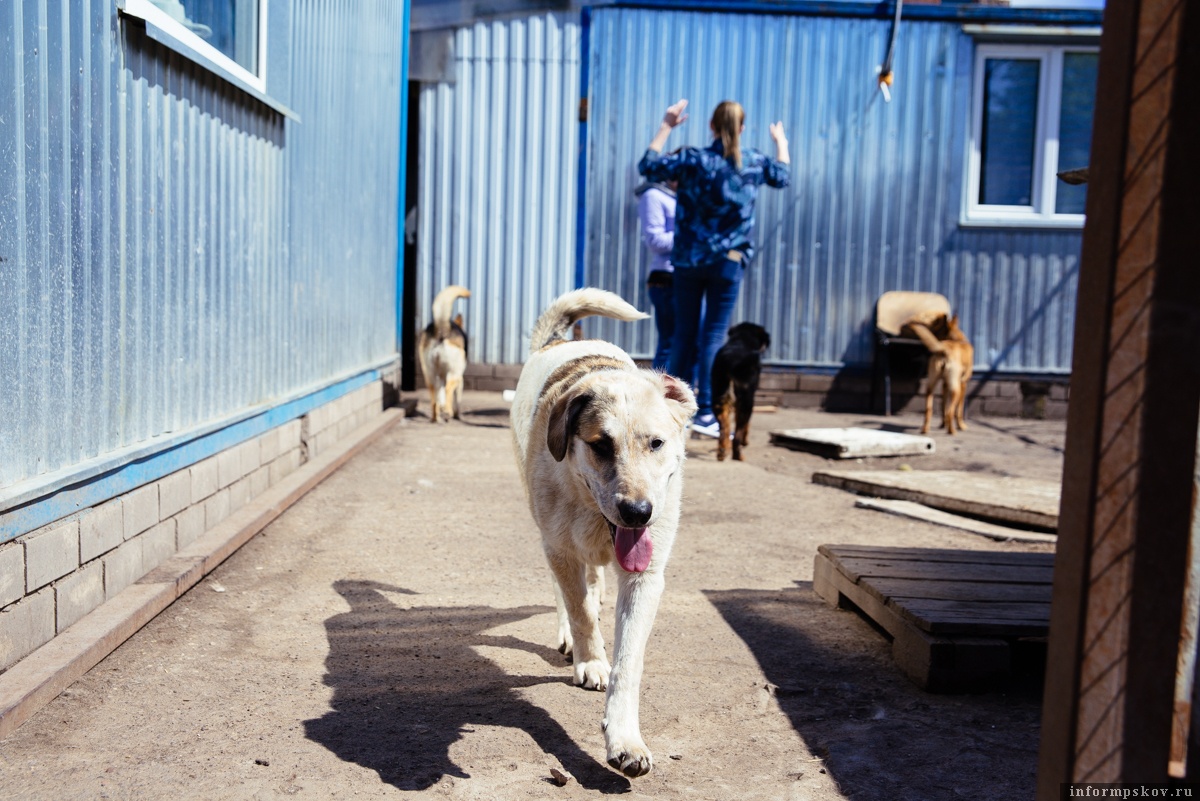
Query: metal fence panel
{"points": [[497, 174]]}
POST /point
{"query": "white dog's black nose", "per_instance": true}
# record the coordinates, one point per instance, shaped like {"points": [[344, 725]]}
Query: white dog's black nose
{"points": [[635, 513]]}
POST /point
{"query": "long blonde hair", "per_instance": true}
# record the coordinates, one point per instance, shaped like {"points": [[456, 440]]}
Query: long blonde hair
{"points": [[727, 120]]}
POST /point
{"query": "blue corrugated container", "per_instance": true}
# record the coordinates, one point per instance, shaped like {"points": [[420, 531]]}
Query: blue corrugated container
{"points": [[178, 249], [877, 187]]}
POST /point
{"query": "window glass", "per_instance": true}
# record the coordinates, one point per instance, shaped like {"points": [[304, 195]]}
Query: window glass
{"points": [[1007, 149], [230, 26], [1075, 126]]}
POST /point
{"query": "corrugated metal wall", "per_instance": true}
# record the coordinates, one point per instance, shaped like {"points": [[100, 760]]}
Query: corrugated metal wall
{"points": [[498, 169], [173, 252], [876, 188]]}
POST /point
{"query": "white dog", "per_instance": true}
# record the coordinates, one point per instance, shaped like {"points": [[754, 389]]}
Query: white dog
{"points": [[600, 444]]}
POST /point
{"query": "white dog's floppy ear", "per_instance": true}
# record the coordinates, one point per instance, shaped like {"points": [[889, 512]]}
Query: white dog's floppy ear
{"points": [[681, 393], [563, 422]]}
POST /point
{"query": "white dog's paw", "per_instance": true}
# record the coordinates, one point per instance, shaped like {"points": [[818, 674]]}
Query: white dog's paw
{"points": [[565, 644], [592, 674], [629, 755]]}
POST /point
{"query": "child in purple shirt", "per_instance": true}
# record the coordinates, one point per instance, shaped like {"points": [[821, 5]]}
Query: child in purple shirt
{"points": [[656, 210]]}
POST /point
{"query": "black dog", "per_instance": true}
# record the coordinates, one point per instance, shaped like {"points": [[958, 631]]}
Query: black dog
{"points": [[735, 373]]}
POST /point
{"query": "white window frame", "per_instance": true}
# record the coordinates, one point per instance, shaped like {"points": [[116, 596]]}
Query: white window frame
{"points": [[201, 51], [1040, 213]]}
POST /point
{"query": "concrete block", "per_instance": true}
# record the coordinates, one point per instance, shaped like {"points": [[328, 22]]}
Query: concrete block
{"points": [[495, 384], [815, 383], [801, 400], [284, 466], [50, 553], [260, 481], [101, 529], [216, 508], [78, 594], [289, 436], [250, 454], [1059, 392], [779, 381], [141, 509], [268, 446], [189, 525], [476, 370], [983, 389], [204, 479], [239, 494], [12, 572], [122, 567], [322, 442], [1001, 407], [174, 494], [512, 371], [26, 625], [1008, 389], [158, 544], [229, 466]]}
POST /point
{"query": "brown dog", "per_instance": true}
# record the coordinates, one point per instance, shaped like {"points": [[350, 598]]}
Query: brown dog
{"points": [[951, 361], [443, 353]]}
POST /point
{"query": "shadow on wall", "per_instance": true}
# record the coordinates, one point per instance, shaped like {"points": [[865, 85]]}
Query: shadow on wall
{"points": [[872, 730], [407, 684]]}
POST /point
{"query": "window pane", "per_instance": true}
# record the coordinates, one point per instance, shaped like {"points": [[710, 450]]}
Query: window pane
{"points": [[1010, 99], [1075, 126], [231, 26]]}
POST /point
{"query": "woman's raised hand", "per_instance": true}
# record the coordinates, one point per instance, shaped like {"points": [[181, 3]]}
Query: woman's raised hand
{"points": [[777, 133], [674, 116]]}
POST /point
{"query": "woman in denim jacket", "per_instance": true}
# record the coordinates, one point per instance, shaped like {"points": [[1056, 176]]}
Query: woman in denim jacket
{"points": [[714, 220]]}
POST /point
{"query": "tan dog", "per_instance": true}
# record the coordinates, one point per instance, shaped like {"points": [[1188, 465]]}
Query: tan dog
{"points": [[600, 446], [951, 361], [443, 354]]}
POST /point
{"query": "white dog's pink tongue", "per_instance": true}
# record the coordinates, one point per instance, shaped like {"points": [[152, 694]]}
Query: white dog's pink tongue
{"points": [[634, 548]]}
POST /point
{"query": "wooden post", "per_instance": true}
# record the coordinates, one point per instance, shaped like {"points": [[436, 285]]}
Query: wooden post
{"points": [[1126, 512]]}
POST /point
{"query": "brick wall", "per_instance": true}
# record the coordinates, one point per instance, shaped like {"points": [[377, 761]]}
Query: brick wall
{"points": [[52, 577]]}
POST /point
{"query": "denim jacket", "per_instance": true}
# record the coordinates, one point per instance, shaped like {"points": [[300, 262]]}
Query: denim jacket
{"points": [[715, 208]]}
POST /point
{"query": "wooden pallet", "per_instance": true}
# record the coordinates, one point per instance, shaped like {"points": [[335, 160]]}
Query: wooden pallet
{"points": [[956, 618]]}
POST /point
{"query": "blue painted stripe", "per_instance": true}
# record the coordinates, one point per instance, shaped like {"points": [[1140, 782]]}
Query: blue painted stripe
{"points": [[955, 12], [585, 25], [75, 498]]}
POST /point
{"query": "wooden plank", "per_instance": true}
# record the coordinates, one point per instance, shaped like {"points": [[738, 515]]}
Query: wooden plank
{"points": [[927, 514], [852, 443], [955, 617], [1024, 501], [934, 663], [834, 584], [860, 568], [939, 555], [983, 592]]}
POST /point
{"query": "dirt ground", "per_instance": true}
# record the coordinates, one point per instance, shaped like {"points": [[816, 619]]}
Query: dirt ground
{"points": [[391, 634]]}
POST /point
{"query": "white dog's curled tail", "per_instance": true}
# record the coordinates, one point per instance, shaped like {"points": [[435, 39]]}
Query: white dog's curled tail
{"points": [[443, 304], [555, 323]]}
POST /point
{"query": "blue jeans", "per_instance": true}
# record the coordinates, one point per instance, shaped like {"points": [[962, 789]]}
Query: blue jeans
{"points": [[662, 298], [715, 287]]}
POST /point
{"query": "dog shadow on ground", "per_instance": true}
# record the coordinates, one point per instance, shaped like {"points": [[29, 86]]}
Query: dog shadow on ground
{"points": [[876, 734], [408, 684]]}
